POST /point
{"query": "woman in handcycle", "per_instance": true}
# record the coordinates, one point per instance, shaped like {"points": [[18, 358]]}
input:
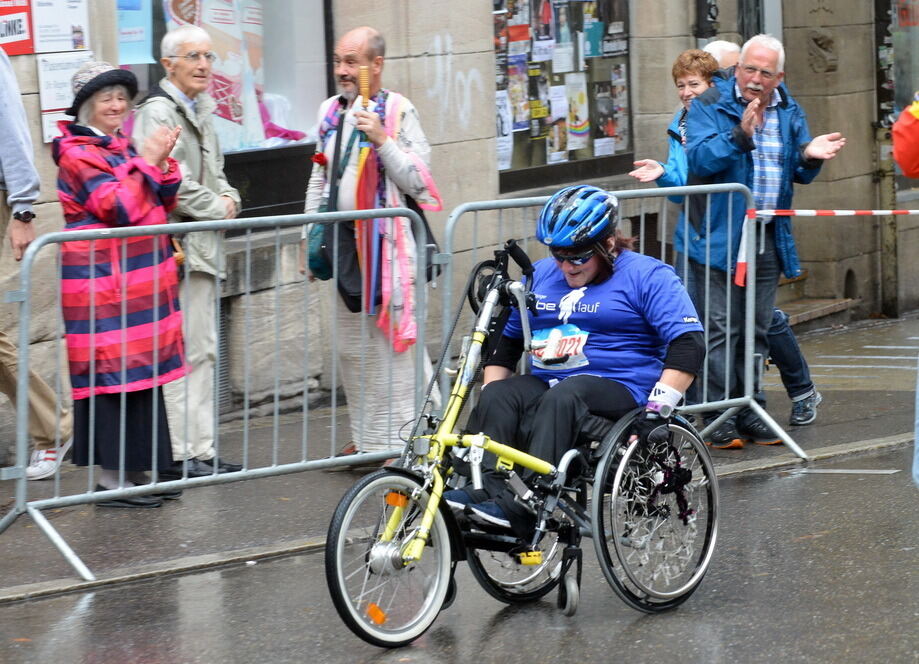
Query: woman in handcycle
{"points": [[612, 330]]}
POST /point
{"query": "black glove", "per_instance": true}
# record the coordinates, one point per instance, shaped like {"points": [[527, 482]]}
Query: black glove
{"points": [[651, 427]]}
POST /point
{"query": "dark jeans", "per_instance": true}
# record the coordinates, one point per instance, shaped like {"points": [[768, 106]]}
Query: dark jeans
{"points": [[787, 357], [722, 314], [524, 412]]}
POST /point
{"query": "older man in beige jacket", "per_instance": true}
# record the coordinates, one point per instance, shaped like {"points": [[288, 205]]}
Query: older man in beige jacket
{"points": [[181, 100]]}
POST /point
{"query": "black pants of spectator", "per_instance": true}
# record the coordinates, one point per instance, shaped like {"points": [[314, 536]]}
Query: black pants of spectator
{"points": [[524, 412]]}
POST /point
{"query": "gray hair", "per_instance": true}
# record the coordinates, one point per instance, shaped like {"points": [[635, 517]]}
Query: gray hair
{"points": [[376, 45], [766, 41], [720, 48], [184, 34], [88, 107]]}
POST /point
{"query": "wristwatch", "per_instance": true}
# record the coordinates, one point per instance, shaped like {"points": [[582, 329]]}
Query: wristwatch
{"points": [[25, 217], [662, 409]]}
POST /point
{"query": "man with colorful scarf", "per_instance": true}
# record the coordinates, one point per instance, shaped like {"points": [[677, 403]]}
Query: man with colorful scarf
{"points": [[384, 157]]}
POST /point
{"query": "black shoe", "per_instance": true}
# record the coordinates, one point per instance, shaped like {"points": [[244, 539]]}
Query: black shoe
{"points": [[725, 437], [758, 432], [171, 494], [130, 501], [196, 468], [223, 466]]}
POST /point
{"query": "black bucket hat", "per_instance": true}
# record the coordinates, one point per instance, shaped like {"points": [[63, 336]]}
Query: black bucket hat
{"points": [[92, 77]]}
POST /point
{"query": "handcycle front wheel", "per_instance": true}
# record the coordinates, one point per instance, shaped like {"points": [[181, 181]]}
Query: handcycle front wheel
{"points": [[382, 600], [503, 576], [655, 517]]}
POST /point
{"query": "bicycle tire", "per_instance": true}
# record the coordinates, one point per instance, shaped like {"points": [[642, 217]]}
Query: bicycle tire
{"points": [[380, 600], [648, 545], [503, 577]]}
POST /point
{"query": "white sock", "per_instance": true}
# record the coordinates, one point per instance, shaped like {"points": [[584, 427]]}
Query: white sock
{"points": [[108, 479]]}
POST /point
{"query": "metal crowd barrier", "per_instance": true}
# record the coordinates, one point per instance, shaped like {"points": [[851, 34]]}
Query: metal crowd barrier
{"points": [[513, 220], [280, 459]]}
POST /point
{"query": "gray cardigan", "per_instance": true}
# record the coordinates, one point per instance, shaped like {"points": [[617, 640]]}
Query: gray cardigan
{"points": [[17, 169]]}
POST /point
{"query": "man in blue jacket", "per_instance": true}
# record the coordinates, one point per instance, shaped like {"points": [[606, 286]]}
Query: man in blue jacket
{"points": [[746, 129]]}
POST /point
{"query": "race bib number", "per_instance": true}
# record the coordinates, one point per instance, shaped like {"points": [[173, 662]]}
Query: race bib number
{"points": [[559, 348]]}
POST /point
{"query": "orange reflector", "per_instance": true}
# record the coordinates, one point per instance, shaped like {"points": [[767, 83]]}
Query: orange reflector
{"points": [[396, 499], [376, 614]]}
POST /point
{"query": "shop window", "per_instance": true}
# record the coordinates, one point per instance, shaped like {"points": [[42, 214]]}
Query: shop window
{"points": [[270, 74], [562, 90]]}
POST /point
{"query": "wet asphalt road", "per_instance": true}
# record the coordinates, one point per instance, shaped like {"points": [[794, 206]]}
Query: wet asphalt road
{"points": [[810, 567]]}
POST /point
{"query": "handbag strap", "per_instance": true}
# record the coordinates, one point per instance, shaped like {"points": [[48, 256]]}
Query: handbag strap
{"points": [[332, 203]]}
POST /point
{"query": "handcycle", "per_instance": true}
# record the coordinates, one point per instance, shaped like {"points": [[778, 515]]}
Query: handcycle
{"points": [[650, 506]]}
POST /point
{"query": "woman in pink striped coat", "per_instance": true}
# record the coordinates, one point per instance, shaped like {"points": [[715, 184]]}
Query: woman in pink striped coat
{"points": [[119, 296]]}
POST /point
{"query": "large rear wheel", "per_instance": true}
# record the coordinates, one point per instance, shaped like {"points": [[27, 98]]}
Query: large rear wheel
{"points": [[380, 597], [655, 516]]}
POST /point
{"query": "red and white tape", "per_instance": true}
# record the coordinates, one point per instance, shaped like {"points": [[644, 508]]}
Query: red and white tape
{"points": [[752, 214]]}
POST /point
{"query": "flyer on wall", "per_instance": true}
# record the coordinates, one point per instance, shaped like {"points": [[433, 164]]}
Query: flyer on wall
{"points": [[539, 99], [55, 94], [557, 140], [500, 21], [60, 25], [135, 32], [543, 27], [594, 29], [504, 141], [518, 87], [578, 114], [16, 27]]}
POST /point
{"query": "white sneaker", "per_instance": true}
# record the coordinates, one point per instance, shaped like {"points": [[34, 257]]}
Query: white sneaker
{"points": [[44, 463]]}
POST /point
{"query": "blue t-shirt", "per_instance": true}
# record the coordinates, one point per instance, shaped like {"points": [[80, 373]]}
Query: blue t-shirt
{"points": [[618, 329]]}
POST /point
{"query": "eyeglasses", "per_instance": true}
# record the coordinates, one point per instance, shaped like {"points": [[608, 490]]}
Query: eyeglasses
{"points": [[574, 259], [750, 70], [194, 56]]}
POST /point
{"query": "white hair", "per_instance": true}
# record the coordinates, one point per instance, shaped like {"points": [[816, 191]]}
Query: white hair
{"points": [[720, 48], [184, 34], [88, 107], [766, 41]]}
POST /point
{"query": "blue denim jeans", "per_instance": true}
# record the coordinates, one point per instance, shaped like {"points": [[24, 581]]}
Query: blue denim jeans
{"points": [[722, 314], [787, 357]]}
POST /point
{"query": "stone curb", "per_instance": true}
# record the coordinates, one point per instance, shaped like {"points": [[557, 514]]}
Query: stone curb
{"points": [[239, 556]]}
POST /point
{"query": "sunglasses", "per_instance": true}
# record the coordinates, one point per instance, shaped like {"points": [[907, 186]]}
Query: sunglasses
{"points": [[574, 259]]}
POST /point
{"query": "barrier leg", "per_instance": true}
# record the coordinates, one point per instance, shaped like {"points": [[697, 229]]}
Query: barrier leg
{"points": [[788, 440], [61, 545], [8, 519]]}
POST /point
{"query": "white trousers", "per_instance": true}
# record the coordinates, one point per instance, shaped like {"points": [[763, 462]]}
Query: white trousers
{"points": [[380, 388], [190, 400]]}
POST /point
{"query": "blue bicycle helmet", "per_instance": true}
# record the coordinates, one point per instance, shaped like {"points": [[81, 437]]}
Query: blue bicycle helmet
{"points": [[577, 216]]}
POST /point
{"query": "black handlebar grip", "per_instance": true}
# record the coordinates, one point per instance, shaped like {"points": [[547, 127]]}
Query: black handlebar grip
{"points": [[520, 257]]}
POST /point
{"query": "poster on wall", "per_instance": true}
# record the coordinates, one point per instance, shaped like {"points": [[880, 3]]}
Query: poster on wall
{"points": [[55, 94], [235, 29], [557, 140], [518, 91], [60, 25], [518, 12], [594, 30], [500, 36], [16, 27], [578, 114], [539, 99], [504, 137], [135, 32], [542, 18]]}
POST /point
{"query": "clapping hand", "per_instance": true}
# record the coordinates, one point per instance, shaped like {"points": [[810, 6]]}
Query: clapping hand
{"points": [[647, 170], [158, 145], [752, 117], [825, 146]]}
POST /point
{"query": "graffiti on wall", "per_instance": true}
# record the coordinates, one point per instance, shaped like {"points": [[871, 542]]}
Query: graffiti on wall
{"points": [[453, 90]]}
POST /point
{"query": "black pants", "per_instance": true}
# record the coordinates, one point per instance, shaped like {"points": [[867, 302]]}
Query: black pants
{"points": [[524, 412]]}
